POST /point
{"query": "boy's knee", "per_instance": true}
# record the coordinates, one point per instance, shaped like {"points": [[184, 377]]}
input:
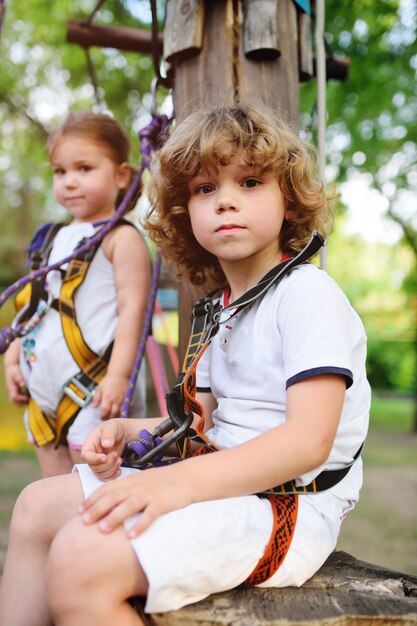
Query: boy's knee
{"points": [[70, 568]]}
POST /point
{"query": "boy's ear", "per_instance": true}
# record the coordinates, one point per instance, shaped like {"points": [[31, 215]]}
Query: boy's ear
{"points": [[290, 215], [123, 175]]}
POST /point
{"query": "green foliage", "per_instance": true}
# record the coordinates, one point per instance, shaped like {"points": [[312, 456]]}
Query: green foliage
{"points": [[42, 78], [391, 414], [391, 365], [372, 129]]}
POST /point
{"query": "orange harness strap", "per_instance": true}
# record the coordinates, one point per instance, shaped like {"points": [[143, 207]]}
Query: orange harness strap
{"points": [[284, 511], [284, 507]]}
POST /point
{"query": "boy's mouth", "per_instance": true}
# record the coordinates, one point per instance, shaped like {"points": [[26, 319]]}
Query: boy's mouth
{"points": [[225, 227]]}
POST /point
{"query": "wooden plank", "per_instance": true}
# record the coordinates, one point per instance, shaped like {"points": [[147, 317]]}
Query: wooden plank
{"points": [[275, 81], [183, 31], [260, 29], [122, 38], [344, 592], [305, 48]]}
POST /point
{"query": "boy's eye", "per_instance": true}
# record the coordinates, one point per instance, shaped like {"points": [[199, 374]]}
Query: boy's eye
{"points": [[250, 183], [85, 168], [58, 171]]}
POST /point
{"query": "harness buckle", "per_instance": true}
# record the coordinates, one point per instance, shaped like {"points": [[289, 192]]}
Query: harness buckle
{"points": [[87, 392]]}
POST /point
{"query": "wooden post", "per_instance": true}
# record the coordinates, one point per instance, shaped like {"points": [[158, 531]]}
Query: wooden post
{"points": [[217, 52]]}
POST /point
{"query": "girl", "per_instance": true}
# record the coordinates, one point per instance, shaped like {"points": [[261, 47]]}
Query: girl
{"points": [[282, 385], [95, 325]]}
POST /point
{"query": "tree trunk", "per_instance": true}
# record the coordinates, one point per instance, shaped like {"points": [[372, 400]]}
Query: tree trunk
{"points": [[218, 52], [344, 592]]}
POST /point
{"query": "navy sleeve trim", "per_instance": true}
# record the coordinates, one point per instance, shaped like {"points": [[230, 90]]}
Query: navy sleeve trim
{"points": [[204, 389], [318, 371]]}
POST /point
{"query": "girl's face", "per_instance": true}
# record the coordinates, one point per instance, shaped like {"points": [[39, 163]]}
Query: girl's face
{"points": [[237, 214], [85, 179]]}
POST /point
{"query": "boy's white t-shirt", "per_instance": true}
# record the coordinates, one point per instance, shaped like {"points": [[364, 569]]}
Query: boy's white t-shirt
{"points": [[303, 327]]}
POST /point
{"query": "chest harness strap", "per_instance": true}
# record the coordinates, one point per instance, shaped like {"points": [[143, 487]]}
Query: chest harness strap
{"points": [[79, 390]]}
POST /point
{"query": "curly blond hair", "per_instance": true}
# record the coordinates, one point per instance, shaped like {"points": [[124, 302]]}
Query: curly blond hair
{"points": [[202, 141]]}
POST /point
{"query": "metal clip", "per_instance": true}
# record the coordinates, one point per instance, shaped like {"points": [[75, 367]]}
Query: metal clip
{"points": [[86, 391]]}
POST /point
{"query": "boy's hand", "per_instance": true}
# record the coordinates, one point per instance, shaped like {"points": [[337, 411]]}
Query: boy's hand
{"points": [[152, 492], [110, 394], [16, 386], [104, 447]]}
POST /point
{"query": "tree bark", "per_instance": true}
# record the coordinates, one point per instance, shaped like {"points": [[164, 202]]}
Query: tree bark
{"points": [[344, 592], [217, 68]]}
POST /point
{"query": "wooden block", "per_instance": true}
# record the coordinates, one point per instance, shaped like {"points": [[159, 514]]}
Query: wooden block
{"points": [[183, 30], [260, 29], [305, 49]]}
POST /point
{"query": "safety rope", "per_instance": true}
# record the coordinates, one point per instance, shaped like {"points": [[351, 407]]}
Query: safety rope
{"points": [[321, 101]]}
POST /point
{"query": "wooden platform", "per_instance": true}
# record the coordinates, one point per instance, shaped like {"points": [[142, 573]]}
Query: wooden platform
{"points": [[344, 592]]}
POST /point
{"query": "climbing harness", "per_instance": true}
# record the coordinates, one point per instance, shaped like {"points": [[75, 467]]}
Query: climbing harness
{"points": [[181, 401], [79, 390], [148, 451]]}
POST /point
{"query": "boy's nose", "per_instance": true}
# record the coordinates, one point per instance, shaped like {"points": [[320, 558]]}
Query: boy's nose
{"points": [[226, 201]]}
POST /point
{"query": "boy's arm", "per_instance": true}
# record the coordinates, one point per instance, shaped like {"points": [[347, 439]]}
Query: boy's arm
{"points": [[296, 447], [299, 445], [15, 383], [126, 250]]}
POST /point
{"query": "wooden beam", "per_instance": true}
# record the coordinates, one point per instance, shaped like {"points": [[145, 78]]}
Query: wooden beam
{"points": [[305, 48], [183, 30], [128, 39], [261, 38]]}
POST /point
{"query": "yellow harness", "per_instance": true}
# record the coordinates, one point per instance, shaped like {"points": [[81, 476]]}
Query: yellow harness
{"points": [[79, 390]]}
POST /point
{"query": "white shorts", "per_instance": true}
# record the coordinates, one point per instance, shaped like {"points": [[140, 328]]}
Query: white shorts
{"points": [[211, 547]]}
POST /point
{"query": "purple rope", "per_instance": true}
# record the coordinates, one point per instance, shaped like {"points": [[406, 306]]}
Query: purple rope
{"points": [[145, 333], [144, 444], [9, 334]]}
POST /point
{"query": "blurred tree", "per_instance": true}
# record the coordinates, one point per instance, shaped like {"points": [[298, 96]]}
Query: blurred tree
{"points": [[41, 78], [372, 117]]}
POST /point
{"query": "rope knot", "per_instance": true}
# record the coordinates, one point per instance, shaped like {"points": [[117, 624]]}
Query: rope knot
{"points": [[145, 443]]}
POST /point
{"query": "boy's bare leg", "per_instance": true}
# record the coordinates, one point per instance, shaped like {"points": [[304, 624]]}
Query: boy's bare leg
{"points": [[40, 511], [91, 575]]}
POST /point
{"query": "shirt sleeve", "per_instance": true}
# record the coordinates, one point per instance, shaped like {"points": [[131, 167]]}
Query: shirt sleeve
{"points": [[317, 324]]}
